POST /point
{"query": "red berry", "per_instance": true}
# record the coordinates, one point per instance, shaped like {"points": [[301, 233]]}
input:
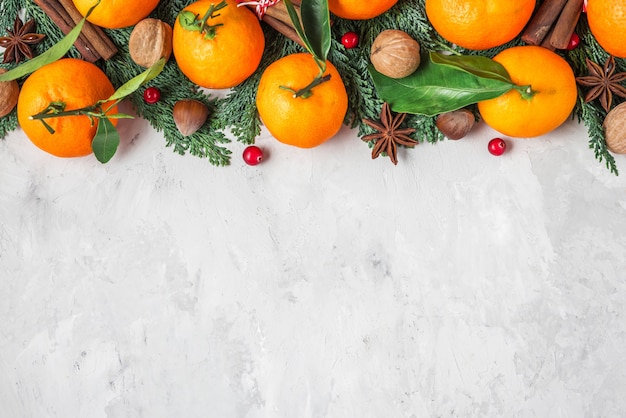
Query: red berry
{"points": [[350, 40], [497, 146], [573, 42], [152, 95], [253, 155], [585, 7]]}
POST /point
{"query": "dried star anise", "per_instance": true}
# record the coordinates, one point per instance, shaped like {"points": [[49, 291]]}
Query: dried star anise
{"points": [[389, 135], [603, 82], [18, 43]]}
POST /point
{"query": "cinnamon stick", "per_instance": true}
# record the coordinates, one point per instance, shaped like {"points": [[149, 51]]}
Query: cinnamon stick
{"points": [[279, 11], [60, 17], [92, 44], [542, 21], [283, 28], [101, 43], [566, 24], [546, 41]]}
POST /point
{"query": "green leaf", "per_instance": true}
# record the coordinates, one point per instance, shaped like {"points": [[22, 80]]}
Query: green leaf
{"points": [[106, 141], [134, 83], [435, 89], [56, 52], [49, 56], [474, 64], [295, 20], [316, 22]]}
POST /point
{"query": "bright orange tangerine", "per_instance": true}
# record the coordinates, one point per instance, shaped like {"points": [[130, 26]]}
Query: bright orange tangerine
{"points": [[359, 9], [554, 93], [607, 22], [230, 56], [114, 14], [77, 84], [302, 122], [479, 24]]}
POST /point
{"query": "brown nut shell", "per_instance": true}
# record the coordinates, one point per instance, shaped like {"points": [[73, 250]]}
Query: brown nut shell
{"points": [[615, 129], [395, 54], [190, 115], [9, 92], [456, 124], [150, 40]]}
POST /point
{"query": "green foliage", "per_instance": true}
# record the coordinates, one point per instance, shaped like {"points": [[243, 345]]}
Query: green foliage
{"points": [[235, 115]]}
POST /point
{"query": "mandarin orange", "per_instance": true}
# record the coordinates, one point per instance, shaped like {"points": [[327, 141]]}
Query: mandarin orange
{"points": [[76, 84], [553, 97], [304, 122]]}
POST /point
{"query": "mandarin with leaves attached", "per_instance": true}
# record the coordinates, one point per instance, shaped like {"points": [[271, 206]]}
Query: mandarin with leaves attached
{"points": [[552, 98], [76, 84], [221, 51], [304, 122]]}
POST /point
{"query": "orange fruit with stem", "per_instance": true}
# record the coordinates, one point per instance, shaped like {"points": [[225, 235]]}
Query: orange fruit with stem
{"points": [[359, 9], [607, 22], [295, 114], [71, 84], [115, 14], [217, 45], [548, 102], [479, 24]]}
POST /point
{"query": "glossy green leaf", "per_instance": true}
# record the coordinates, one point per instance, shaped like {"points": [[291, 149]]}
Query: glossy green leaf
{"points": [[134, 83], [297, 25], [316, 22], [435, 89], [106, 141], [51, 55], [474, 64], [56, 52]]}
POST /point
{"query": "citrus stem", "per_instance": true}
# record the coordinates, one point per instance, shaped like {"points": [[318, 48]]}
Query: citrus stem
{"points": [[57, 110], [192, 22], [306, 92], [525, 91]]}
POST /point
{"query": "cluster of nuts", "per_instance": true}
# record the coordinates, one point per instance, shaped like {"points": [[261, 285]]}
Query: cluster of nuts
{"points": [[151, 40]]}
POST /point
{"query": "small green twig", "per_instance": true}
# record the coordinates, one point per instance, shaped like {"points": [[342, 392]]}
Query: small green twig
{"points": [[193, 22], [306, 91]]}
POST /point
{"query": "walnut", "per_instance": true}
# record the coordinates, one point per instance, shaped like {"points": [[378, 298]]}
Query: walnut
{"points": [[9, 92], [615, 129], [395, 54], [150, 40]]}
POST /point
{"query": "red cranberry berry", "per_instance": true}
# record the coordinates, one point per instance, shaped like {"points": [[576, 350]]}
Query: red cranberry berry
{"points": [[350, 40], [253, 155], [574, 41], [152, 95], [497, 146]]}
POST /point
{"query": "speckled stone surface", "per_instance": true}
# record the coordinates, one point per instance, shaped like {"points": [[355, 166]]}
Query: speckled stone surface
{"points": [[317, 284]]}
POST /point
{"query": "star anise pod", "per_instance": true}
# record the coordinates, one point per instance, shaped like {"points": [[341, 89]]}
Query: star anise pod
{"points": [[19, 41], [604, 82], [389, 135]]}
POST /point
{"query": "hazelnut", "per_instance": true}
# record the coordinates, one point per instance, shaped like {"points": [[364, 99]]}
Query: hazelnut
{"points": [[615, 129], [150, 40], [395, 54], [455, 124], [9, 92], [190, 115]]}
